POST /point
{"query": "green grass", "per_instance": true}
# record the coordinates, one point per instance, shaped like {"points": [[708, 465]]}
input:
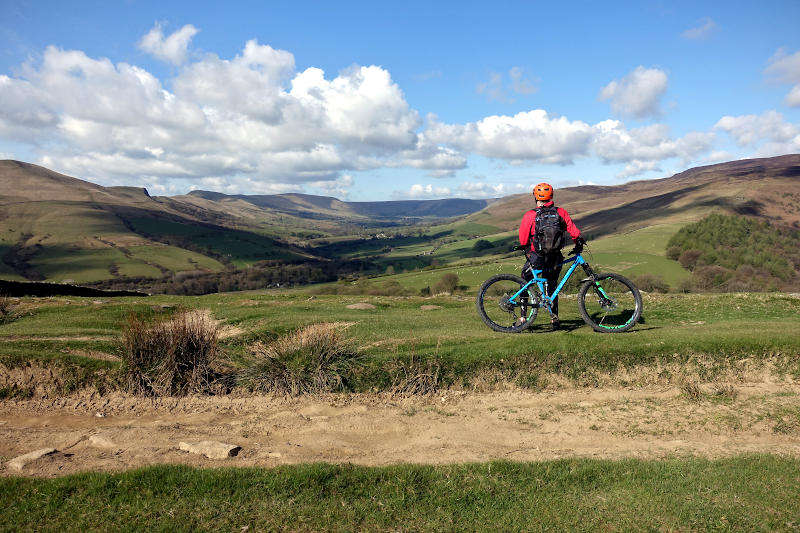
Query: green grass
{"points": [[750, 493], [174, 259], [682, 329]]}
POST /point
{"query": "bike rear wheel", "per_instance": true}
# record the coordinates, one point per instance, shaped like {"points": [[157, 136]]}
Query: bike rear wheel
{"points": [[498, 312], [610, 304]]}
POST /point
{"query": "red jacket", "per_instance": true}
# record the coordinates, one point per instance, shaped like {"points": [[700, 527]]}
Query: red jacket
{"points": [[528, 225]]}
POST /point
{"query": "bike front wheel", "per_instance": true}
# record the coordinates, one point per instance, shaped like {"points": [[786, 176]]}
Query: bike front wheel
{"points": [[499, 312], [610, 303]]}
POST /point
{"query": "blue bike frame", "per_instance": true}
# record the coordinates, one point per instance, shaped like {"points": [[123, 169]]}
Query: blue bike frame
{"points": [[576, 260]]}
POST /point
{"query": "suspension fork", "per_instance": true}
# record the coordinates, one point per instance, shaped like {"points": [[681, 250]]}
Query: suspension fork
{"points": [[593, 277]]}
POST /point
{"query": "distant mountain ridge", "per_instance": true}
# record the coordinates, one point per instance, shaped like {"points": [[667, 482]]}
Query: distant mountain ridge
{"points": [[391, 209]]}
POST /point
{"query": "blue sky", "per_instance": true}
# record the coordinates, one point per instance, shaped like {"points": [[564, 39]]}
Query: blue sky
{"points": [[379, 101]]}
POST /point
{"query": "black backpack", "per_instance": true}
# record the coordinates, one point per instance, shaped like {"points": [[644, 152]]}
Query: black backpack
{"points": [[549, 234]]}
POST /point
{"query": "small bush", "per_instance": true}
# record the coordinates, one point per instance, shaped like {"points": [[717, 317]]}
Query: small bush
{"points": [[7, 313], [169, 357], [651, 283], [692, 390], [688, 259], [448, 284], [314, 359]]}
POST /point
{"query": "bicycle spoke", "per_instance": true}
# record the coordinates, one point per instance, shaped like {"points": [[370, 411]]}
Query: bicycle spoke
{"points": [[611, 304]]}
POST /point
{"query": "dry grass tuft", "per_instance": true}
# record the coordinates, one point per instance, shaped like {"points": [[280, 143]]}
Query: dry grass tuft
{"points": [[7, 313], [169, 357], [726, 391], [416, 376], [314, 359], [692, 390]]}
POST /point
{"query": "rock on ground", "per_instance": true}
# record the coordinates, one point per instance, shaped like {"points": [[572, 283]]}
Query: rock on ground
{"points": [[361, 305], [18, 463], [211, 449]]}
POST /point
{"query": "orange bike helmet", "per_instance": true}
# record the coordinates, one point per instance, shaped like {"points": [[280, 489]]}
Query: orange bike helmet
{"points": [[543, 192]]}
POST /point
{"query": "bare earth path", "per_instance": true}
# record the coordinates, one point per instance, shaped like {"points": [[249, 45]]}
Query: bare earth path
{"points": [[116, 432]]}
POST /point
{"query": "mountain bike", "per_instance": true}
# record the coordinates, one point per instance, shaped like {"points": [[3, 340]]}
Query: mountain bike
{"points": [[609, 303]]}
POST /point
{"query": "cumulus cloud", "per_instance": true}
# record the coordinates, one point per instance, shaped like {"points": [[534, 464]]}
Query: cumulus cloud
{"points": [[706, 28], [613, 142], [424, 192], [254, 123], [339, 188], [768, 133], [528, 136], [480, 189], [171, 49], [785, 68], [637, 94], [253, 115]]}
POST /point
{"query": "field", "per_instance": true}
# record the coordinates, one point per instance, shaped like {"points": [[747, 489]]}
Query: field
{"points": [[690, 421]]}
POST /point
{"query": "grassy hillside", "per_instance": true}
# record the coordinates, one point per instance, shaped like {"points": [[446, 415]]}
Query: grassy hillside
{"points": [[57, 228], [60, 228], [766, 187]]}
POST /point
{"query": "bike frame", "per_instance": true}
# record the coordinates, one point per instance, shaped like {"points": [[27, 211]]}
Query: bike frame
{"points": [[547, 300]]}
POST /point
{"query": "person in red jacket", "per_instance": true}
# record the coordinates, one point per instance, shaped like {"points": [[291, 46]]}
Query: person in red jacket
{"points": [[543, 248]]}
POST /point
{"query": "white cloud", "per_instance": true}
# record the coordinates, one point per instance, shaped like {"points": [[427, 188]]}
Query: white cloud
{"points": [[785, 68], [252, 115], [495, 88], [768, 133], [704, 30], [473, 189], [637, 94], [529, 136], [424, 192], [171, 49], [634, 168], [519, 84], [615, 143], [340, 188]]}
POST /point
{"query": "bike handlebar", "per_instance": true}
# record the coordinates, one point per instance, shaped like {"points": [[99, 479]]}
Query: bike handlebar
{"points": [[575, 250]]}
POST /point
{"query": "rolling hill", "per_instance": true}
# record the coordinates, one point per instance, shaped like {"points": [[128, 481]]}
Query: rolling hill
{"points": [[767, 188], [58, 228], [55, 227]]}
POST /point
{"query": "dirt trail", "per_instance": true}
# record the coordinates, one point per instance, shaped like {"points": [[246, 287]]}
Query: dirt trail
{"points": [[643, 422]]}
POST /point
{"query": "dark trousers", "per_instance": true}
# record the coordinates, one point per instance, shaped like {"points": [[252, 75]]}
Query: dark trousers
{"points": [[551, 272]]}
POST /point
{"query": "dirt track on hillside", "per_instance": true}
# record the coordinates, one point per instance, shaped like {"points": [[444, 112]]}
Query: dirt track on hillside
{"points": [[451, 427]]}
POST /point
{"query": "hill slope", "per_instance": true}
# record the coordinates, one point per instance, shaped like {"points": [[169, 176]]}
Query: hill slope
{"points": [[762, 187], [54, 227]]}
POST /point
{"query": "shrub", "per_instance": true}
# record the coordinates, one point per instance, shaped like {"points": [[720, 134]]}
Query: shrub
{"points": [[448, 284], [169, 357], [311, 360], [710, 277], [481, 245], [673, 252], [685, 285], [651, 283], [7, 313], [688, 259]]}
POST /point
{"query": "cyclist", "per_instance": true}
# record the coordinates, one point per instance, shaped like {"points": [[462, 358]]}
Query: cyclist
{"points": [[542, 233]]}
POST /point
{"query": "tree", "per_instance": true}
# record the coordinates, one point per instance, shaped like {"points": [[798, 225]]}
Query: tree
{"points": [[448, 283]]}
